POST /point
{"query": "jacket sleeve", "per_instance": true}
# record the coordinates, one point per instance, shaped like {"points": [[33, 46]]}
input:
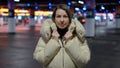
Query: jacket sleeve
{"points": [[77, 48], [47, 47], [44, 53], [79, 52]]}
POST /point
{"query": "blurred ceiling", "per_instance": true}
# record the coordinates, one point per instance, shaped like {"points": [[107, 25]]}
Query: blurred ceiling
{"points": [[4, 2], [37, 1], [43, 4]]}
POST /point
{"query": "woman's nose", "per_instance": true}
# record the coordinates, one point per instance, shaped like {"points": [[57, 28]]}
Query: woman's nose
{"points": [[61, 19]]}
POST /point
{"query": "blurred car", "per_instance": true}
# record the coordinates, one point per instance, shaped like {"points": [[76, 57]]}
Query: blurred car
{"points": [[82, 19]]}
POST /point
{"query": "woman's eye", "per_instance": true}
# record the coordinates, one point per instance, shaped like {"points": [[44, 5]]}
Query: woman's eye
{"points": [[65, 16], [58, 16]]}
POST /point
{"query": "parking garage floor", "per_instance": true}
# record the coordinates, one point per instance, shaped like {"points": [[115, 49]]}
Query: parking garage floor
{"points": [[16, 50]]}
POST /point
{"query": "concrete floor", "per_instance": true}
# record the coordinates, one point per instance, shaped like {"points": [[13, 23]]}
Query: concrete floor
{"points": [[16, 51], [105, 50]]}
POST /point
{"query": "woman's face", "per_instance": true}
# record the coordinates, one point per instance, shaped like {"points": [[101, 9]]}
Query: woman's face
{"points": [[61, 19]]}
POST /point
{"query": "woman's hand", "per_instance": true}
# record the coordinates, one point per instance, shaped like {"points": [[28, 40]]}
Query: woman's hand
{"points": [[68, 35], [55, 34]]}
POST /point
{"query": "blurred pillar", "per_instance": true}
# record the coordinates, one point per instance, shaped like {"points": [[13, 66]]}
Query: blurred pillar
{"points": [[117, 16], [1, 21], [90, 22], [32, 21], [11, 21]]}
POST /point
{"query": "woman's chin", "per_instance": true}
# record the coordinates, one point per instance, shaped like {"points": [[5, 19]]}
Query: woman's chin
{"points": [[62, 27]]}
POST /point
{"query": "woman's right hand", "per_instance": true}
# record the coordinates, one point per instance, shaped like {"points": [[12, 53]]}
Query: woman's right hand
{"points": [[55, 34]]}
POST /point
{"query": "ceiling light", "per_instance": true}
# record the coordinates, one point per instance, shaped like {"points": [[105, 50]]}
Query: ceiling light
{"points": [[17, 0]]}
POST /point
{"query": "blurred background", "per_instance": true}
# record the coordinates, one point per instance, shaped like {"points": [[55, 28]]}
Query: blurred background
{"points": [[104, 11], [21, 21]]}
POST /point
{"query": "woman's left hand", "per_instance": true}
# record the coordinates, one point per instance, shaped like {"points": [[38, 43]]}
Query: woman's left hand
{"points": [[68, 35]]}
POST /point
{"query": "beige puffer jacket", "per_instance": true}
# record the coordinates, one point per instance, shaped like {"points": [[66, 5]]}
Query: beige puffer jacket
{"points": [[52, 53]]}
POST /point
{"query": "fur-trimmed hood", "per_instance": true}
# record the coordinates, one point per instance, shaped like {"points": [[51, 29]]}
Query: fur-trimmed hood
{"points": [[48, 26]]}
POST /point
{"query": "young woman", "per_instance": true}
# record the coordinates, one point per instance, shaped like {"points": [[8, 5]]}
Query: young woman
{"points": [[62, 43]]}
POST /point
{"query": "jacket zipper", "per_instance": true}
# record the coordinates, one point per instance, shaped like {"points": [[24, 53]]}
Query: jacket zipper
{"points": [[62, 46]]}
